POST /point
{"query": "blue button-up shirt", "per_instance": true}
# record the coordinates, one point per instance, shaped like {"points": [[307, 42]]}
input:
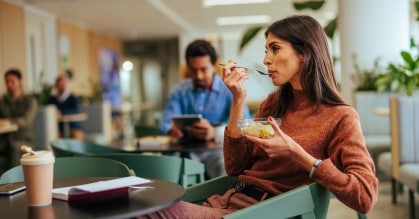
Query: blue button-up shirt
{"points": [[214, 104]]}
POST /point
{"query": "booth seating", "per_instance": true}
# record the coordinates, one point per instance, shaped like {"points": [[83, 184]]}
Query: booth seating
{"points": [[376, 128], [403, 162]]}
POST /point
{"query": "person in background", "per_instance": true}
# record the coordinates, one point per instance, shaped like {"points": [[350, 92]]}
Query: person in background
{"points": [[66, 104], [18, 108], [319, 140], [202, 93]]}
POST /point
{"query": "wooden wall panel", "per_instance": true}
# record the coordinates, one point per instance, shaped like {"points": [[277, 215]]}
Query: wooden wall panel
{"points": [[83, 50], [12, 40], [83, 54], [2, 68], [78, 57], [97, 42]]}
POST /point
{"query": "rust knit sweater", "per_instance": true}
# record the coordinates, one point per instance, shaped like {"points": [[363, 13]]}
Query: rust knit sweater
{"points": [[332, 133]]}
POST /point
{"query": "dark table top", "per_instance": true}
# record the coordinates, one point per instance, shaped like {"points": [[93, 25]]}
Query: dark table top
{"points": [[124, 205]]}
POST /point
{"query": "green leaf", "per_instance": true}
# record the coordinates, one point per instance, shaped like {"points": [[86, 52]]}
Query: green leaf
{"points": [[411, 86], [408, 59], [417, 9], [248, 35], [381, 88], [313, 5], [330, 28], [394, 86], [412, 42]]}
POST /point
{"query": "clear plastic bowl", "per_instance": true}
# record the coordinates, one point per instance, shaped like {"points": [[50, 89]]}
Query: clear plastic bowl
{"points": [[258, 127]]}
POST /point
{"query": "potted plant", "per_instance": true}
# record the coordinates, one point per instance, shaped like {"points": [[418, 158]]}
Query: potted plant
{"points": [[396, 77], [402, 77], [43, 93], [365, 79], [375, 87]]}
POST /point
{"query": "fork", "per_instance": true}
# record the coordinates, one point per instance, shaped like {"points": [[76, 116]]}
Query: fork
{"points": [[250, 68]]}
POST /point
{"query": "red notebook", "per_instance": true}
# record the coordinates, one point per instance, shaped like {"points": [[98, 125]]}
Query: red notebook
{"points": [[97, 189]]}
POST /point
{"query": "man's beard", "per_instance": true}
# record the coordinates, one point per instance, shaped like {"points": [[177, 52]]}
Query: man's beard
{"points": [[201, 84]]}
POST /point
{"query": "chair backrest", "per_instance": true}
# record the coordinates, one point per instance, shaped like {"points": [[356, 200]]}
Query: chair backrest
{"points": [[45, 127], [98, 126], [69, 147], [371, 124], [308, 201], [193, 172], [14, 174], [174, 169], [71, 167], [321, 200], [200, 192], [404, 120]]}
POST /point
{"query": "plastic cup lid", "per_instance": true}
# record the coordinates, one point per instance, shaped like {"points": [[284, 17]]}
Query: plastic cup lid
{"points": [[42, 157]]}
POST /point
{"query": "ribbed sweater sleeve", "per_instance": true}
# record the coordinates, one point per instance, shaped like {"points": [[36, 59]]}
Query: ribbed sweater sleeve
{"points": [[349, 172]]}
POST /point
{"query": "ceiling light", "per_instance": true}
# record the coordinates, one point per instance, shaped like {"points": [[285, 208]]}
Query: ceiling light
{"points": [[236, 20], [127, 66], [210, 3]]}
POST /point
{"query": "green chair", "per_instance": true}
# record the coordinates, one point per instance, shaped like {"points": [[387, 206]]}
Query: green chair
{"points": [[193, 172], [183, 171], [72, 167], [63, 147], [309, 201]]}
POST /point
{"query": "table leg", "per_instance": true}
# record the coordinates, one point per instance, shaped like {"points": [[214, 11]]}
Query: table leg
{"points": [[66, 130]]}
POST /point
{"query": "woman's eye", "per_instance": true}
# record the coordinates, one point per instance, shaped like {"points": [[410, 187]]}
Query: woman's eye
{"points": [[274, 49]]}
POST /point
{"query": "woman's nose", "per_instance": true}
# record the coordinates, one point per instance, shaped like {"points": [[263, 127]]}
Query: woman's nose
{"points": [[266, 61]]}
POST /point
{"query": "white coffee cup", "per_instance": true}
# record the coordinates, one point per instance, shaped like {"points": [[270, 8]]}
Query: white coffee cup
{"points": [[38, 172]]}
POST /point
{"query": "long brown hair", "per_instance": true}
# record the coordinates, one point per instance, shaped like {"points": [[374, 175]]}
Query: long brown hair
{"points": [[317, 75]]}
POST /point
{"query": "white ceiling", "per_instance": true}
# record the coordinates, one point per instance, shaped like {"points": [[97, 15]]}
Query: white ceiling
{"points": [[142, 19]]}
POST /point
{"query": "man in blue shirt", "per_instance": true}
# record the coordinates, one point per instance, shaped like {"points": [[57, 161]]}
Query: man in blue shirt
{"points": [[203, 93]]}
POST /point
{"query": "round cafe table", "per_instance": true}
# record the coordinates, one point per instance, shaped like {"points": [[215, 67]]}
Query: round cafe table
{"points": [[124, 205], [6, 128]]}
